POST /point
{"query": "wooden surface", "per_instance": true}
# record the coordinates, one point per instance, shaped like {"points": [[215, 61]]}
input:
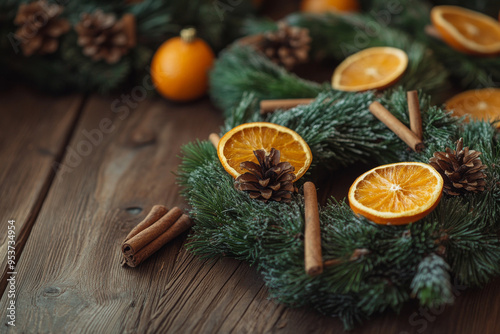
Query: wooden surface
{"points": [[72, 223], [69, 278], [33, 134]]}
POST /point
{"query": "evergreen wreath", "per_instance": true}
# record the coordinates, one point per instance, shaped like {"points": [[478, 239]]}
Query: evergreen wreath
{"points": [[415, 261], [378, 267]]}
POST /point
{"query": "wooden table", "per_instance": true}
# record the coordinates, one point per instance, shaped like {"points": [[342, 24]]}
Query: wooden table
{"points": [[77, 173]]}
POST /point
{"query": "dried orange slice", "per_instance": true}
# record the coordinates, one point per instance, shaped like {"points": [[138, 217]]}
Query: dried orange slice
{"points": [[466, 30], [396, 194], [483, 104], [322, 6], [237, 146], [373, 68]]}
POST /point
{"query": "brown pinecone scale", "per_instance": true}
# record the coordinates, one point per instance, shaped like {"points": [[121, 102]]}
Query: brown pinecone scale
{"points": [[269, 180], [288, 46], [40, 27], [103, 37], [462, 169]]}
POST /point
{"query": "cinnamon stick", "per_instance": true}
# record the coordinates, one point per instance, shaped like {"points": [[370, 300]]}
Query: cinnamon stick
{"points": [[145, 237], [415, 115], [156, 213], [129, 25], [214, 139], [396, 126], [331, 262], [312, 242], [181, 225], [430, 30], [269, 106], [356, 255], [251, 40]]}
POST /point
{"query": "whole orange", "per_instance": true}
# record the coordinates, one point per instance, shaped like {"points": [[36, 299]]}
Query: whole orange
{"points": [[321, 6], [180, 66]]}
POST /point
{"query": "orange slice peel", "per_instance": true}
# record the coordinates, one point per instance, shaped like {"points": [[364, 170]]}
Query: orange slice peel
{"points": [[372, 68], [237, 146], [396, 194], [466, 30], [322, 6], [481, 104]]}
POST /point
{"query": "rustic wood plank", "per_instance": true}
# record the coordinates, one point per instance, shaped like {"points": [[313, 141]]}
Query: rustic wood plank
{"points": [[34, 129], [78, 282]]}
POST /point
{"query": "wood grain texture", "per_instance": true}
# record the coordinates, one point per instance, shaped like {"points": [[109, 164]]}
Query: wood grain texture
{"points": [[70, 280], [33, 132]]}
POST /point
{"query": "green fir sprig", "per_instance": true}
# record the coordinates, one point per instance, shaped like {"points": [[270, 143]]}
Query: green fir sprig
{"points": [[431, 284], [241, 69]]}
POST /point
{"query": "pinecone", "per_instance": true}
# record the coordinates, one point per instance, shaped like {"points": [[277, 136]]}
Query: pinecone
{"points": [[104, 38], [288, 46], [40, 27], [268, 180], [461, 169]]}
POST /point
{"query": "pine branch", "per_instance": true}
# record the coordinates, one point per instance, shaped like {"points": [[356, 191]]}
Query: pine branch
{"points": [[471, 248], [469, 71], [431, 284], [245, 112], [407, 15], [155, 20], [241, 69]]}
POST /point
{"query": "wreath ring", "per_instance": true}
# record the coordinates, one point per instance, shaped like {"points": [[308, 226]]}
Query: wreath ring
{"points": [[376, 267]]}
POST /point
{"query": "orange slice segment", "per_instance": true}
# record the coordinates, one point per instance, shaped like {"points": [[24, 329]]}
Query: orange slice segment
{"points": [[373, 68], [482, 104], [322, 6], [466, 30], [396, 194], [237, 146]]}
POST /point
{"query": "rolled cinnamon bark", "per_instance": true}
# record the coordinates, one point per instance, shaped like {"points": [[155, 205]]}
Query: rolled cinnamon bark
{"points": [[148, 235], [431, 31], [214, 139], [415, 115], [313, 259], [181, 225], [268, 106], [156, 213], [396, 126], [251, 40], [332, 262]]}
